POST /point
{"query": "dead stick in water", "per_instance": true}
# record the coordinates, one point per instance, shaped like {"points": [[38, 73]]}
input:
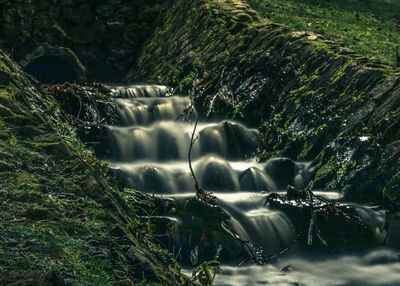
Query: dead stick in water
{"points": [[192, 140], [201, 194]]}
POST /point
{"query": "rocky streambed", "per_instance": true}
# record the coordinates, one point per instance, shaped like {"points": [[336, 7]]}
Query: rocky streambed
{"points": [[258, 219]]}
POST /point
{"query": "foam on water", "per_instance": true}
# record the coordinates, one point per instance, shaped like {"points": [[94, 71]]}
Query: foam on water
{"points": [[144, 111], [150, 153], [378, 267], [138, 90]]}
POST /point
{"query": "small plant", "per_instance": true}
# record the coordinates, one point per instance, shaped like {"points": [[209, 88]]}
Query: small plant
{"points": [[187, 81], [321, 129], [238, 110], [205, 272]]}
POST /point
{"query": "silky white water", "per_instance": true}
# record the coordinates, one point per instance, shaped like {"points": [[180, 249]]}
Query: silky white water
{"points": [[150, 150]]}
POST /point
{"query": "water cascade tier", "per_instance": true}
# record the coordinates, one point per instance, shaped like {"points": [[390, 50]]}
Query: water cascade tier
{"points": [[150, 147], [149, 152]]}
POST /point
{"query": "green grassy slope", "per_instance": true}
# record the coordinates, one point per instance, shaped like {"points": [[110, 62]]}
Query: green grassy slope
{"points": [[369, 27], [59, 214]]}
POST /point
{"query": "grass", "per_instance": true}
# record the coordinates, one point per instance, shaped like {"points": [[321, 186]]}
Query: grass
{"points": [[58, 211], [47, 222], [368, 27]]}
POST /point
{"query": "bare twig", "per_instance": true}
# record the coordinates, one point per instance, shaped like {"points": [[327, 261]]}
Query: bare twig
{"points": [[192, 140], [185, 115], [258, 258], [201, 194]]}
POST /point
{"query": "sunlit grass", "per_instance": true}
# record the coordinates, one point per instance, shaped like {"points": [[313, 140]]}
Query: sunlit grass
{"points": [[369, 27]]}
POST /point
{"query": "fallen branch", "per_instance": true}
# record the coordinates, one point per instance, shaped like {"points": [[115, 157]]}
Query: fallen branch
{"points": [[201, 194], [254, 255], [192, 141]]}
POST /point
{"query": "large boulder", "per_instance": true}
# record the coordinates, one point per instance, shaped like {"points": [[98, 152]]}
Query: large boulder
{"points": [[325, 225], [52, 64]]}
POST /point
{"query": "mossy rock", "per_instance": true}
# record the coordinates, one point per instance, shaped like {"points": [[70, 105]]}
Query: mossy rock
{"points": [[53, 64]]}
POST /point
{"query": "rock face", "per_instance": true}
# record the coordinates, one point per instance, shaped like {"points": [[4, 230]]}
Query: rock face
{"points": [[312, 99], [106, 36]]}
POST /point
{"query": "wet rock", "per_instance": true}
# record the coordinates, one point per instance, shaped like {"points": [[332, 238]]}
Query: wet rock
{"points": [[155, 180], [253, 179], [212, 140], [393, 232], [188, 224], [218, 175], [241, 142], [282, 170], [294, 194], [97, 133], [337, 226], [287, 268]]}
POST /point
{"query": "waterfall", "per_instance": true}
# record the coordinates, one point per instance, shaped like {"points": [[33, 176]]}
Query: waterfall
{"points": [[150, 145]]}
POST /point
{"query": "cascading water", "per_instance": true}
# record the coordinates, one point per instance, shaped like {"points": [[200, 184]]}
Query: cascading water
{"points": [[149, 152]]}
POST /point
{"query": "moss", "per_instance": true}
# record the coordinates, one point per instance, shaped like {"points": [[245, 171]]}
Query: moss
{"points": [[326, 173], [306, 149], [58, 208]]}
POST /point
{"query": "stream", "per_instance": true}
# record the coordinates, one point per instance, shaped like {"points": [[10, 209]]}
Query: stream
{"points": [[150, 153]]}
